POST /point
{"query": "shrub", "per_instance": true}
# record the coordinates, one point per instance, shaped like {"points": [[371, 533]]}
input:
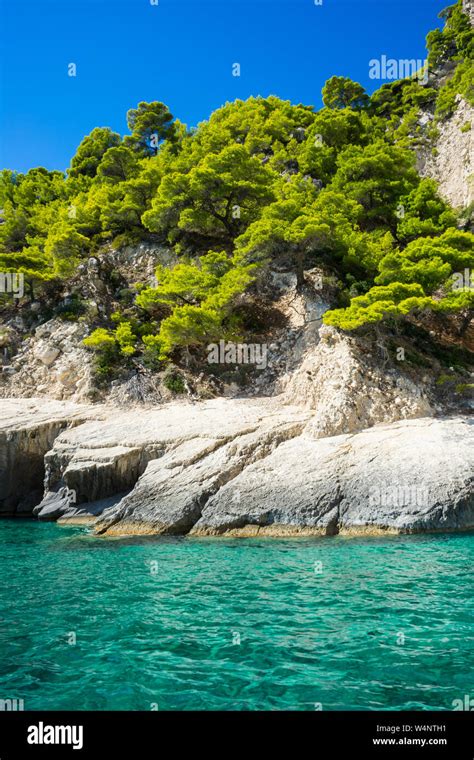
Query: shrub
{"points": [[174, 382]]}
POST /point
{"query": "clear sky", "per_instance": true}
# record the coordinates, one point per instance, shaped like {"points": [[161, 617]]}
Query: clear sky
{"points": [[180, 52]]}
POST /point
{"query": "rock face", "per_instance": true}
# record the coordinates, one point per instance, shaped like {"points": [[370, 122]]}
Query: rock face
{"points": [[406, 477], [53, 363], [103, 458], [174, 489], [49, 358], [60, 506], [450, 161], [234, 467], [449, 158], [28, 429], [350, 390], [468, 7]]}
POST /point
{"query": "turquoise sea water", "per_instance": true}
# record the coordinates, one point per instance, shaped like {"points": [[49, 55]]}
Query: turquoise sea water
{"points": [[372, 623]]}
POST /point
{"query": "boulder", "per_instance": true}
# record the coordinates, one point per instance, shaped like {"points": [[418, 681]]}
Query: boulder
{"points": [[46, 353]]}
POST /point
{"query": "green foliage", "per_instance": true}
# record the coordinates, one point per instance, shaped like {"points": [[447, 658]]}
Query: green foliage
{"points": [[40, 237], [149, 123], [376, 177], [395, 99], [455, 41], [461, 83], [188, 326], [200, 294], [100, 340], [340, 92], [111, 347], [118, 164], [64, 248], [399, 102], [91, 150], [125, 338], [429, 261], [174, 382], [261, 182], [105, 347], [422, 212], [29, 200], [466, 389], [417, 277], [304, 225], [214, 201], [394, 300], [462, 300], [331, 132], [31, 262], [269, 128]]}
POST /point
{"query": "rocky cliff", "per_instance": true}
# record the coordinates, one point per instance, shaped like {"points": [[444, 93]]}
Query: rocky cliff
{"points": [[336, 433], [449, 158], [235, 467]]}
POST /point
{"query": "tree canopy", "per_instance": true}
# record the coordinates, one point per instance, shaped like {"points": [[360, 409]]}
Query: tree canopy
{"points": [[91, 151], [341, 92], [261, 182], [150, 124]]}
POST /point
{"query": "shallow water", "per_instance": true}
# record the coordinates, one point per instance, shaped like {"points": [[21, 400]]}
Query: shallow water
{"points": [[234, 624]]}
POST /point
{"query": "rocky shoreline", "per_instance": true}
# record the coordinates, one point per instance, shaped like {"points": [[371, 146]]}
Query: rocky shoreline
{"points": [[232, 467]]}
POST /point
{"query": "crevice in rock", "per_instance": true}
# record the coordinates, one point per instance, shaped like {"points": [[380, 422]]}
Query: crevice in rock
{"points": [[22, 465], [81, 483], [238, 468]]}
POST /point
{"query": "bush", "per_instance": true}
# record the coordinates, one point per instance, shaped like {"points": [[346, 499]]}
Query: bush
{"points": [[174, 382]]}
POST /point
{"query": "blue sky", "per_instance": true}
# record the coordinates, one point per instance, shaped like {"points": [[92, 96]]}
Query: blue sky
{"points": [[180, 52]]}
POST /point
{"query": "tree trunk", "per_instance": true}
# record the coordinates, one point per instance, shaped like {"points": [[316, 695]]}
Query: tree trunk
{"points": [[300, 280]]}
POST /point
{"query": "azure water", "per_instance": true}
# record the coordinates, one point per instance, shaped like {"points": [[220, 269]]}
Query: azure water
{"points": [[245, 624]]}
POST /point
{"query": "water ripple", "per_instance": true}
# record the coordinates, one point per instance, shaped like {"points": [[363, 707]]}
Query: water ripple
{"points": [[191, 624]]}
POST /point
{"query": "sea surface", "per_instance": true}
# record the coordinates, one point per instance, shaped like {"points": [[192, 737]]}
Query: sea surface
{"points": [[234, 624]]}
